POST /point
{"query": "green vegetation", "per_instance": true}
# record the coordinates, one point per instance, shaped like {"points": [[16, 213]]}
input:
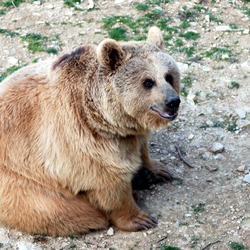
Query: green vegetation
{"points": [[141, 7], [220, 54], [9, 71], [198, 208], [39, 43], [168, 247], [237, 246], [234, 85], [118, 33], [72, 4], [8, 33], [11, 3], [190, 35]]}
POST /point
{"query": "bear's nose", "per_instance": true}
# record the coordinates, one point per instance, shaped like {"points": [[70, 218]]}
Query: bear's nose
{"points": [[173, 102]]}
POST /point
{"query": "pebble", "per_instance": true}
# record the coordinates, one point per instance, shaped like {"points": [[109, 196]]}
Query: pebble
{"points": [[37, 2], [217, 147], [4, 238], [246, 65], [223, 28], [241, 169], [91, 5], [12, 61], [183, 67], [241, 113], [247, 178], [246, 31], [191, 136], [219, 157], [111, 231], [21, 245]]}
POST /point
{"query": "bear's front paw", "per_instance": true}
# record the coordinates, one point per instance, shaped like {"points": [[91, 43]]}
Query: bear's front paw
{"points": [[160, 172], [142, 221]]}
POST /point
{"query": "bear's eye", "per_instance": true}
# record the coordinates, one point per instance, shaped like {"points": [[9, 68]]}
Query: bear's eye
{"points": [[148, 84], [169, 79]]}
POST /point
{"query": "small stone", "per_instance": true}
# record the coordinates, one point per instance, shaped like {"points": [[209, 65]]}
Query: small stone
{"points": [[21, 245], [219, 157], [111, 231], [241, 113], [223, 28], [209, 123], [91, 5], [246, 65], [207, 18], [183, 67], [4, 238], [191, 136], [241, 169], [217, 147], [247, 178], [246, 31], [12, 61], [150, 232], [37, 2]]}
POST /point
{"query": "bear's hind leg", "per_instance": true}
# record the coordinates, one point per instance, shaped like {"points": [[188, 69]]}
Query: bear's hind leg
{"points": [[32, 208]]}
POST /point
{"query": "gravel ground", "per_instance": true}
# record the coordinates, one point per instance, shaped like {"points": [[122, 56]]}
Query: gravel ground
{"points": [[207, 147]]}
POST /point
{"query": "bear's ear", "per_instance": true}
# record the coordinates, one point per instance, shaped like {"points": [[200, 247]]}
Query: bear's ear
{"points": [[110, 54], [155, 37]]}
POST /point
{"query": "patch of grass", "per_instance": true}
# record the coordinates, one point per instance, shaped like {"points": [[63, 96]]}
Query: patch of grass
{"points": [[118, 33], [190, 35], [8, 33], [198, 208], [234, 85], [1, 245], [163, 246], [185, 24], [189, 51], [11, 3], [187, 80], [237, 246], [2, 12], [52, 51], [39, 43], [219, 53], [72, 4], [141, 7], [9, 71], [188, 14], [36, 42], [194, 242]]}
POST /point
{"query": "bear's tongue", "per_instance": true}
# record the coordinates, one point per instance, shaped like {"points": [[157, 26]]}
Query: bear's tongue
{"points": [[163, 113]]}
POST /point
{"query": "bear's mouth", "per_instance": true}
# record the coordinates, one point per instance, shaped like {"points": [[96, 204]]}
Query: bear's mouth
{"points": [[170, 115]]}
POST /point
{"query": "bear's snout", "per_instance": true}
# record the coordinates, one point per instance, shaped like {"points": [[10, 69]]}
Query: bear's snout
{"points": [[173, 102]]}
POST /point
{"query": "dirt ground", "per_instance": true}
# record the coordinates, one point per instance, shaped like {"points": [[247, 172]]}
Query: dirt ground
{"points": [[207, 147]]}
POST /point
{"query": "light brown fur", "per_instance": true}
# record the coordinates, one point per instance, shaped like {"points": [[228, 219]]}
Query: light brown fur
{"points": [[73, 132]]}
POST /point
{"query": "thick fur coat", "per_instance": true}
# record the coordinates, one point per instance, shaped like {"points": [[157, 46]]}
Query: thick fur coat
{"points": [[73, 132]]}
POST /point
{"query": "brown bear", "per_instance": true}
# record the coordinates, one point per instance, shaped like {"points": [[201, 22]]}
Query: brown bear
{"points": [[73, 132]]}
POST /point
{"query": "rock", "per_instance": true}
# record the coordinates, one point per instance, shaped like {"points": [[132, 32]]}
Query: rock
{"points": [[4, 238], [37, 2], [223, 28], [12, 61], [247, 178], [217, 147], [241, 113], [246, 31], [111, 231], [246, 65], [91, 5], [21, 245], [241, 169], [191, 136], [219, 157], [183, 67]]}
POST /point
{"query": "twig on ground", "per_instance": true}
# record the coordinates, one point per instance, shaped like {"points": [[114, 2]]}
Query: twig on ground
{"points": [[182, 157], [210, 244], [162, 239]]}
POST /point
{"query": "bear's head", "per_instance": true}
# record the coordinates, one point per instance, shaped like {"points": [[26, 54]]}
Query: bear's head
{"points": [[145, 79]]}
